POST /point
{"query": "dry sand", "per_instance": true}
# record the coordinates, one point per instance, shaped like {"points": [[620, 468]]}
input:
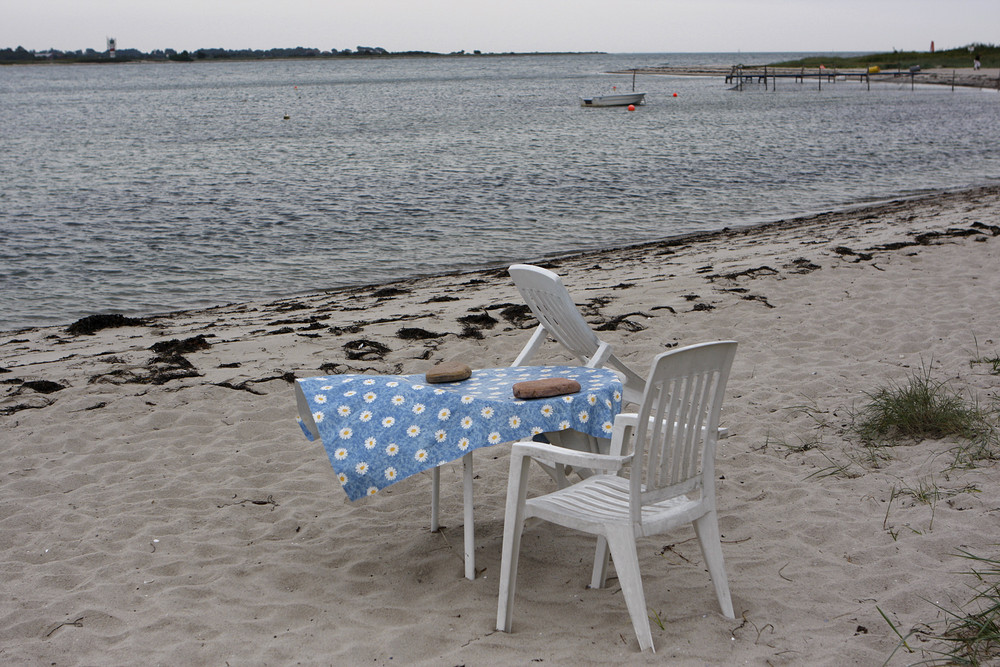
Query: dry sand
{"points": [[155, 513]]}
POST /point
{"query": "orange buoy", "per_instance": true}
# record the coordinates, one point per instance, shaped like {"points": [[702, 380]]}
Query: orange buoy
{"points": [[631, 107]]}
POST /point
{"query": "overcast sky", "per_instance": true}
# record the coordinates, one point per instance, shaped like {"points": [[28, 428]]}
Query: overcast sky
{"points": [[617, 26]]}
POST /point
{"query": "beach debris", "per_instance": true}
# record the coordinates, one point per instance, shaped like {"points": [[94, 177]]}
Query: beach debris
{"points": [[94, 323], [175, 346], [482, 320], [350, 328], [442, 299], [519, 315], [844, 251], [802, 265], [746, 273], [416, 333], [471, 332], [623, 322], [365, 350], [387, 292], [41, 386]]}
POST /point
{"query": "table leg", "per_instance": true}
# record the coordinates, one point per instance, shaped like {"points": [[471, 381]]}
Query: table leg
{"points": [[470, 526], [435, 497]]}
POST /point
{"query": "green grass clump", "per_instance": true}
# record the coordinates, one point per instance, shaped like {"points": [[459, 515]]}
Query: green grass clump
{"points": [[921, 408], [971, 635]]}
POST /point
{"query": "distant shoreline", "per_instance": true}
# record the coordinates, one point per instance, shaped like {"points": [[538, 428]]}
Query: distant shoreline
{"points": [[147, 59]]}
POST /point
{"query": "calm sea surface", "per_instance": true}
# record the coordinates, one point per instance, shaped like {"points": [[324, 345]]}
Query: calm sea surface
{"points": [[147, 188]]}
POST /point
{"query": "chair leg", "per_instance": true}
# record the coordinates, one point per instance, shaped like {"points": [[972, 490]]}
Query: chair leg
{"points": [[600, 574], [707, 529], [621, 541], [470, 523], [435, 497], [513, 526]]}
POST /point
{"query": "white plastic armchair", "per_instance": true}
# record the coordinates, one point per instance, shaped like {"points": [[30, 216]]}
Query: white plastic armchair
{"points": [[668, 451], [558, 317]]}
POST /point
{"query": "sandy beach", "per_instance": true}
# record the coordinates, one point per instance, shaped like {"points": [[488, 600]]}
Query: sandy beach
{"points": [[161, 506]]}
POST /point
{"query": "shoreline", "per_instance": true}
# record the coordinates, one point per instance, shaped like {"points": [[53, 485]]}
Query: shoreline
{"points": [[874, 207], [161, 502]]}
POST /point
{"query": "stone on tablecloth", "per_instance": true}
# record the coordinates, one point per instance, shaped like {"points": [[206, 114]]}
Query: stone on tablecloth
{"points": [[448, 371], [546, 388]]}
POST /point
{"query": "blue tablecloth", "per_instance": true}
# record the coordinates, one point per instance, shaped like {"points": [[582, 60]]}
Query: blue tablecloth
{"points": [[379, 429]]}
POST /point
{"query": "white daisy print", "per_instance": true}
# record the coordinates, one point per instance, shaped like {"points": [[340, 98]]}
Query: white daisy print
{"points": [[319, 398], [398, 400], [536, 430], [317, 417], [346, 433], [390, 473], [391, 449], [494, 438], [343, 410], [487, 412], [370, 443], [583, 416], [365, 416], [392, 384], [370, 396], [592, 399], [413, 431], [388, 421], [467, 399], [369, 381], [418, 409], [563, 425], [567, 399], [546, 410], [342, 478], [439, 436], [372, 491], [607, 427], [350, 393], [514, 421], [463, 444], [361, 468], [421, 455], [444, 414], [340, 454], [618, 396], [327, 387], [466, 422]]}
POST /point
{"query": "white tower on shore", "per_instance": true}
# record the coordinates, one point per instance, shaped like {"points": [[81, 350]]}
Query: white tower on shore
{"points": [[111, 47]]}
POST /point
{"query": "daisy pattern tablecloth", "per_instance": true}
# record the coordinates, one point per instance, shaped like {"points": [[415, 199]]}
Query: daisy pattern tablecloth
{"points": [[379, 429]]}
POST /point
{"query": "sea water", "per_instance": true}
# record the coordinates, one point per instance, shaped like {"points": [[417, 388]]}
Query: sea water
{"points": [[145, 188]]}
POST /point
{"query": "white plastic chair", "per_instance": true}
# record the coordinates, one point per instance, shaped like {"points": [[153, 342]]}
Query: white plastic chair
{"points": [[557, 315], [669, 449]]}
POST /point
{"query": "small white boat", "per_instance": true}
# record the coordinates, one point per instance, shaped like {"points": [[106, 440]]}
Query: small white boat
{"points": [[622, 100]]}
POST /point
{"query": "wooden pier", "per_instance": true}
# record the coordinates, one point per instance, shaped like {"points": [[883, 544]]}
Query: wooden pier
{"points": [[739, 76]]}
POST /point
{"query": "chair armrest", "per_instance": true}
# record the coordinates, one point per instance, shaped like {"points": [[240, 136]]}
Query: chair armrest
{"points": [[554, 455]]}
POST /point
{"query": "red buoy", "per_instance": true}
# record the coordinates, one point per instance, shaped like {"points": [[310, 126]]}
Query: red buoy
{"points": [[631, 107]]}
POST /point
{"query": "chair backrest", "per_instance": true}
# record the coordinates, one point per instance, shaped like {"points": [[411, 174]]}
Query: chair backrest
{"points": [[678, 424], [557, 315]]}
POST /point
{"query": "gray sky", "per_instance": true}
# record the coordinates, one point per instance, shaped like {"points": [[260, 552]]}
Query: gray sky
{"points": [[621, 26]]}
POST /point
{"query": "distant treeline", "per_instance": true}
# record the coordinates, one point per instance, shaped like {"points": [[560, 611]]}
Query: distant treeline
{"points": [[22, 55], [989, 56]]}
